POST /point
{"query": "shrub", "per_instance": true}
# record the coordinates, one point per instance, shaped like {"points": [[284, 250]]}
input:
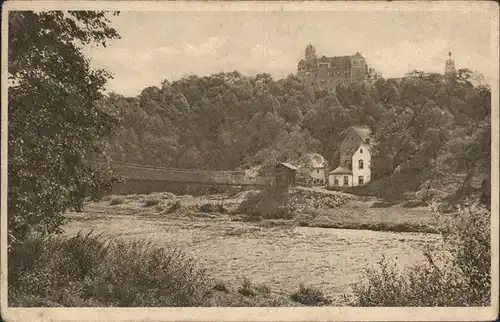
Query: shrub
{"points": [[151, 202], [309, 296], [174, 206], [221, 286], [210, 208], [456, 274], [268, 204], [89, 270], [382, 204], [246, 288], [116, 201], [263, 289]]}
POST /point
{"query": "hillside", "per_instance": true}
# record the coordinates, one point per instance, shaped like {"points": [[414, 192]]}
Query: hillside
{"points": [[425, 130]]}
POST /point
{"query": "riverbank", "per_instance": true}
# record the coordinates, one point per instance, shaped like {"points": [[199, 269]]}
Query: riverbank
{"points": [[231, 249]]}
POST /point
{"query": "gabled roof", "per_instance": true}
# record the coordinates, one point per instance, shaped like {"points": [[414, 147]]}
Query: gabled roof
{"points": [[341, 170], [357, 55], [324, 59], [288, 165], [364, 132]]}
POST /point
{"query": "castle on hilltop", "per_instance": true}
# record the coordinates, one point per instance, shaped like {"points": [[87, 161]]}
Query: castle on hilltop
{"points": [[327, 72]]}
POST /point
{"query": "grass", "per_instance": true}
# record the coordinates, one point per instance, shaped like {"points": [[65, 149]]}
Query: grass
{"points": [[221, 286], [90, 270], [310, 296], [248, 289]]}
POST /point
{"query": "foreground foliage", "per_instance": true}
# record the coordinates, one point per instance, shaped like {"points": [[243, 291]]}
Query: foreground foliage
{"points": [[458, 274], [89, 270], [55, 118]]}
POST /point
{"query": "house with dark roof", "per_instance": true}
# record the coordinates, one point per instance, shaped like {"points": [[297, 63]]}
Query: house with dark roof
{"points": [[327, 72], [355, 159]]}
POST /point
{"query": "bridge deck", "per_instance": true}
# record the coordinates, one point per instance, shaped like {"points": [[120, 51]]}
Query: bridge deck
{"points": [[141, 172]]}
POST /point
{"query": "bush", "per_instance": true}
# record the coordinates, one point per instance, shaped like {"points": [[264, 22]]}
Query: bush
{"points": [[116, 201], [89, 270], [174, 207], [151, 202], [246, 288], [458, 274], [382, 204], [267, 204], [221, 286], [310, 296], [210, 208]]}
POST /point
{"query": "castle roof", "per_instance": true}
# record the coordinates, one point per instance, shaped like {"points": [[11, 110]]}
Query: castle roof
{"points": [[340, 61], [341, 170]]}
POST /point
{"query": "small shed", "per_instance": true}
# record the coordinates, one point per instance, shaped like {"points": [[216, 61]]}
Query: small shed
{"points": [[285, 174]]}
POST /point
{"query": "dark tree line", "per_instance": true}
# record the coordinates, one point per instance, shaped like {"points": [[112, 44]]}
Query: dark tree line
{"points": [[426, 129]]}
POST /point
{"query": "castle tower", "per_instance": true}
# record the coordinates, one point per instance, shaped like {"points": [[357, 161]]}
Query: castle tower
{"points": [[310, 52], [449, 67]]}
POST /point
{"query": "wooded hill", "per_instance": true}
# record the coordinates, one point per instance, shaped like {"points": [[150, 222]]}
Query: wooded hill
{"points": [[427, 131]]}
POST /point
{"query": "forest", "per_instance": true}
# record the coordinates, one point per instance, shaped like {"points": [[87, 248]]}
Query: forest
{"points": [[430, 135]]}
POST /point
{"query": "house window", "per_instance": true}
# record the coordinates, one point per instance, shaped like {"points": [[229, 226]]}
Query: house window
{"points": [[361, 180], [361, 164], [336, 181], [346, 180], [360, 150], [317, 171]]}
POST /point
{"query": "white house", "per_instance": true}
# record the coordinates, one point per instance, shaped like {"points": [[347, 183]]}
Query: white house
{"points": [[313, 166], [355, 159]]}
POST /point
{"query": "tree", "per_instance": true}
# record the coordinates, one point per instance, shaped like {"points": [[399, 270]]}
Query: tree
{"points": [[55, 121]]}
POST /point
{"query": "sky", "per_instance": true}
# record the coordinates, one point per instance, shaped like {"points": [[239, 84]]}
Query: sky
{"points": [[155, 46]]}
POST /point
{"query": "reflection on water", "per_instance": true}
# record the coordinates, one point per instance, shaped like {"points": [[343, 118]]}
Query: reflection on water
{"points": [[282, 258]]}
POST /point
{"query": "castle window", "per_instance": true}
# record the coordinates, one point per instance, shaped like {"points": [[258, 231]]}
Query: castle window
{"points": [[361, 180], [360, 150], [361, 165]]}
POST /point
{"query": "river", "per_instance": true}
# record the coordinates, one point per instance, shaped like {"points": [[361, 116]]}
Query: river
{"points": [[282, 258]]}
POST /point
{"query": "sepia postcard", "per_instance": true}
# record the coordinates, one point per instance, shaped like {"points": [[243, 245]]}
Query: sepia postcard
{"points": [[249, 161]]}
